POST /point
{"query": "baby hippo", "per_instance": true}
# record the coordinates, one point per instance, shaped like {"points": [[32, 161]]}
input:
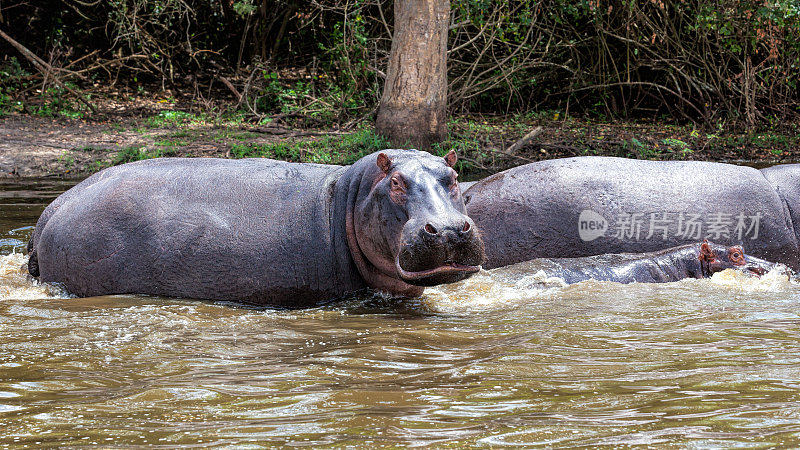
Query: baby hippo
{"points": [[663, 266]]}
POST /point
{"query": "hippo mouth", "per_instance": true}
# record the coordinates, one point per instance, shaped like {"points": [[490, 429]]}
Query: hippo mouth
{"points": [[446, 273], [756, 271], [761, 270]]}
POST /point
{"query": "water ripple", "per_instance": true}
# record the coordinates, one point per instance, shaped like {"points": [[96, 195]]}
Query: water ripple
{"points": [[698, 363]]}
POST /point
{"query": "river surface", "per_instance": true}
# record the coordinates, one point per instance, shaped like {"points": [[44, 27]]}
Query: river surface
{"points": [[698, 363]]}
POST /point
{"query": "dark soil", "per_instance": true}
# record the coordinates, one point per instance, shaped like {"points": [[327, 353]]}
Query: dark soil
{"points": [[70, 148]]}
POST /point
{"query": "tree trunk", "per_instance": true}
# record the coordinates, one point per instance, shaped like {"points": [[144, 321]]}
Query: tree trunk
{"points": [[413, 110]]}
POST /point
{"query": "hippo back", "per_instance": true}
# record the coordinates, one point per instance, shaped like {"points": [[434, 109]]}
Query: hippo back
{"points": [[593, 205], [200, 228], [785, 178]]}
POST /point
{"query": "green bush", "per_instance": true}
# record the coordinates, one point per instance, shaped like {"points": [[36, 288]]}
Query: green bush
{"points": [[345, 149], [698, 60]]}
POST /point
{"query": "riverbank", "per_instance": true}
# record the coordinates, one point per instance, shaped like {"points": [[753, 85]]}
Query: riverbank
{"points": [[70, 148]]}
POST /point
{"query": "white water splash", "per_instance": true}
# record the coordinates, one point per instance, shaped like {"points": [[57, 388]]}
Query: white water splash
{"points": [[489, 290], [16, 284], [498, 290], [775, 280], [540, 279]]}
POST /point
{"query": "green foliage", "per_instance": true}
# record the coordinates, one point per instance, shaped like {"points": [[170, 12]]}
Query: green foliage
{"points": [[677, 145], [171, 118], [244, 7], [317, 62], [52, 101], [6, 103], [344, 149], [12, 79], [702, 60], [138, 153], [341, 83]]}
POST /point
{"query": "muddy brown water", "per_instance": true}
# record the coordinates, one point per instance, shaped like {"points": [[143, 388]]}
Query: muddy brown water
{"points": [[698, 363]]}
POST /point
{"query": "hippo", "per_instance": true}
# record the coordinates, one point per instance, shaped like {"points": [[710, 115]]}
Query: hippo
{"points": [[699, 260], [260, 231], [785, 179], [592, 205]]}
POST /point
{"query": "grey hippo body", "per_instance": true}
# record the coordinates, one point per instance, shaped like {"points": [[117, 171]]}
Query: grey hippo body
{"points": [[259, 231], [585, 206], [699, 260], [785, 179]]}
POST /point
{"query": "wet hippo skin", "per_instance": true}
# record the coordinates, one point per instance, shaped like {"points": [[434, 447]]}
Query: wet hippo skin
{"points": [[785, 179], [533, 211], [260, 231]]}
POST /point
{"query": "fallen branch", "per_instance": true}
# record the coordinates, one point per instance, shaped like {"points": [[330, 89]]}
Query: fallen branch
{"points": [[474, 162], [230, 87], [511, 151], [524, 141], [510, 155], [46, 69]]}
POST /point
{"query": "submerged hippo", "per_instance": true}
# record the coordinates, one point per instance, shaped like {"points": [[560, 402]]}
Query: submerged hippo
{"points": [[260, 231], [663, 266], [593, 205]]}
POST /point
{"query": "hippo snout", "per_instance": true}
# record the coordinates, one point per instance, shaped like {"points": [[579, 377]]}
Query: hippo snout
{"points": [[439, 250], [458, 226], [759, 267]]}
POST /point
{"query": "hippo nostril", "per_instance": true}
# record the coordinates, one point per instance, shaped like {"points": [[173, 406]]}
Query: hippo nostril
{"points": [[430, 229], [466, 227]]}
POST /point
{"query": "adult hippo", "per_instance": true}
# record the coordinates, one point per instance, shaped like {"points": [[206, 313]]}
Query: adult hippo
{"points": [[594, 205], [260, 231], [699, 260]]}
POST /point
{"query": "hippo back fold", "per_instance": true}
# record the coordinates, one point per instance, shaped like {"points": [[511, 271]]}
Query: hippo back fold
{"points": [[785, 179]]}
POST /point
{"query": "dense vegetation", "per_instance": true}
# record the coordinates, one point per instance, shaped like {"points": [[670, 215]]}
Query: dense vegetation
{"points": [[320, 61]]}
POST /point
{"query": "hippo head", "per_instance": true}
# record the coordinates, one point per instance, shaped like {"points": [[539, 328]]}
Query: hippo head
{"points": [[408, 227], [716, 258]]}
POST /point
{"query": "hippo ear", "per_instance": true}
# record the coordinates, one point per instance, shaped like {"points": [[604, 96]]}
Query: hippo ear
{"points": [[706, 254], [451, 158], [384, 163]]}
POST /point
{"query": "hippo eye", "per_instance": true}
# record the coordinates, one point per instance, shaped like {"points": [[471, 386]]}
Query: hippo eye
{"points": [[397, 183], [736, 256], [453, 183], [453, 186], [398, 190]]}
